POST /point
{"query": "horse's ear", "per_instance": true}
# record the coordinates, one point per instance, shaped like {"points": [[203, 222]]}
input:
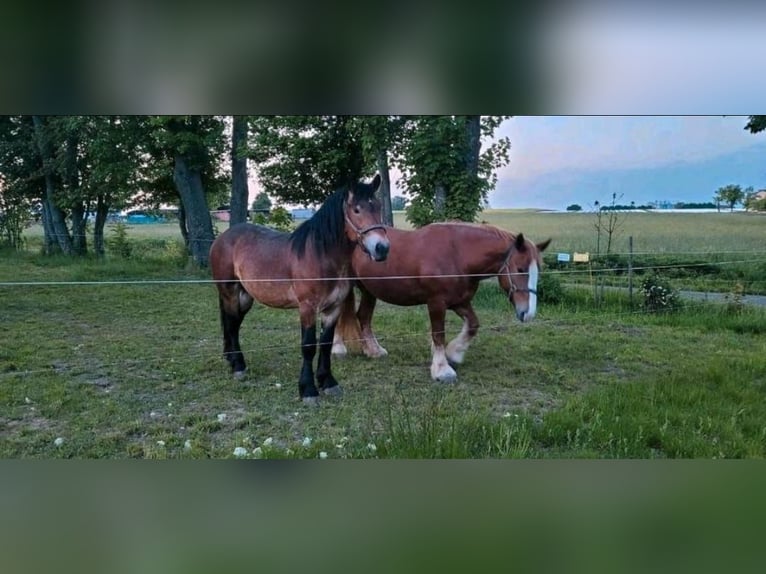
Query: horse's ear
{"points": [[520, 244], [350, 196], [375, 183], [543, 245]]}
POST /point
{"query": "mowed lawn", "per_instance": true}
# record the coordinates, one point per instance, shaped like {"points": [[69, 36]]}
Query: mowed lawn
{"points": [[133, 368]]}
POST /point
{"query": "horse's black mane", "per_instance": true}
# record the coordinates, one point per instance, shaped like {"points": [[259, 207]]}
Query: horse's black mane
{"points": [[326, 228]]}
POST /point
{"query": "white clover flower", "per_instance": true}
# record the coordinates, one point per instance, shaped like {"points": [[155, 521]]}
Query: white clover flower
{"points": [[278, 385], [59, 441], [306, 441], [506, 415], [258, 452], [371, 446], [268, 441], [323, 455], [240, 452], [187, 445], [160, 443], [27, 400], [153, 414], [221, 417]]}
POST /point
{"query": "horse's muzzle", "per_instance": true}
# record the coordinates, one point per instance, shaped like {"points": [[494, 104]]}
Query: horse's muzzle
{"points": [[381, 251]]}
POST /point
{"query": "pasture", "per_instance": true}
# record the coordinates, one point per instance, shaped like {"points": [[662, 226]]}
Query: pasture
{"points": [[132, 366]]}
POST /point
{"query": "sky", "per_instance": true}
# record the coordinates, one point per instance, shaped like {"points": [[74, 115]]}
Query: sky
{"points": [[693, 153]]}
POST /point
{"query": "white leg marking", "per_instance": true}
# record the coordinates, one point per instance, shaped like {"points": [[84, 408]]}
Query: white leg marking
{"points": [[373, 349], [440, 369], [338, 346], [532, 284], [459, 345]]}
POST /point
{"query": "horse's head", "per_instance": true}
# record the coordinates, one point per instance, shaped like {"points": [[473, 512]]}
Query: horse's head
{"points": [[364, 224], [519, 273]]}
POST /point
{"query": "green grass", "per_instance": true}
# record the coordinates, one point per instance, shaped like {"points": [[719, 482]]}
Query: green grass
{"points": [[134, 370]]}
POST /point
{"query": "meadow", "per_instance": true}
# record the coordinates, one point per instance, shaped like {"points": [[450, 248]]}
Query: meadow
{"points": [[131, 366]]}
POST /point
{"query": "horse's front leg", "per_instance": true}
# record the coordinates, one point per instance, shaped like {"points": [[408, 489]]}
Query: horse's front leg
{"points": [[306, 388], [327, 383], [459, 345], [366, 308], [440, 368]]}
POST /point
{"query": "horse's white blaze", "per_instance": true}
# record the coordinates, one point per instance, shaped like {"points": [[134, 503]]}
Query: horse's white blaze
{"points": [[440, 369], [459, 345], [532, 284]]}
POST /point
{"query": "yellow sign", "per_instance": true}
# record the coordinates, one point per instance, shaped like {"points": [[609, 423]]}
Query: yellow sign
{"points": [[581, 257]]}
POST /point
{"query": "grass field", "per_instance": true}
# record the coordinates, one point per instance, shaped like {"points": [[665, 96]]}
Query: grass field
{"points": [[134, 370]]}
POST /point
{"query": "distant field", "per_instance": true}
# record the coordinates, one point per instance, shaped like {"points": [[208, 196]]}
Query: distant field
{"points": [[652, 232]]}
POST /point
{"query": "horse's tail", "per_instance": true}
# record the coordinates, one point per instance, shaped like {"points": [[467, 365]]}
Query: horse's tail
{"points": [[347, 329]]}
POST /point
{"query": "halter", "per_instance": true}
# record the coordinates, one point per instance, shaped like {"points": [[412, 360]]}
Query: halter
{"points": [[507, 267], [360, 232]]}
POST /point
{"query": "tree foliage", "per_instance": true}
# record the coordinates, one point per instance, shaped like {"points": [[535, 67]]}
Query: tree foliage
{"points": [[262, 202], [303, 159], [756, 124], [731, 195], [444, 173]]}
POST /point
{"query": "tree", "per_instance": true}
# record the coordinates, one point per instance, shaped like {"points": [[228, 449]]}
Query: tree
{"points": [[194, 145], [444, 171], [574, 207], [398, 203], [753, 203], [730, 194], [756, 124], [262, 202], [239, 189], [303, 159], [609, 221]]}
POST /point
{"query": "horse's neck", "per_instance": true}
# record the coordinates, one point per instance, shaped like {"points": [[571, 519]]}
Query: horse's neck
{"points": [[494, 248]]}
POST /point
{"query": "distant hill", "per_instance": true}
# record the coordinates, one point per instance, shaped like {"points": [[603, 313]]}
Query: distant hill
{"points": [[682, 181]]}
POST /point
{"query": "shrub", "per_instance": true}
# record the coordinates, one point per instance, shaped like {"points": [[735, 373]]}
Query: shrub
{"points": [[549, 289], [658, 295], [118, 243]]}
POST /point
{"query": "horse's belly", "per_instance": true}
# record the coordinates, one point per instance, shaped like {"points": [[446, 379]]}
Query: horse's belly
{"points": [[401, 292], [273, 294]]}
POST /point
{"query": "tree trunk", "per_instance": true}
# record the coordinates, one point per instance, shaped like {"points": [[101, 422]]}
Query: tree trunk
{"points": [[78, 214], [239, 189], [385, 187], [440, 202], [200, 227], [102, 210], [50, 243], [79, 217], [182, 224], [473, 145], [56, 216]]}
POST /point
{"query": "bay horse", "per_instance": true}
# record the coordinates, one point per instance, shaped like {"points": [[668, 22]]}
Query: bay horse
{"points": [[307, 269], [440, 265]]}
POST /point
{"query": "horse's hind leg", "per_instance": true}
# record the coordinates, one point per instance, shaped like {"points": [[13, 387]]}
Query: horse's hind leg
{"points": [[366, 308], [440, 368], [459, 345], [234, 303]]}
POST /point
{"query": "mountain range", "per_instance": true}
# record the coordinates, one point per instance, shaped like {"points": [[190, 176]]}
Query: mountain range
{"points": [[684, 181]]}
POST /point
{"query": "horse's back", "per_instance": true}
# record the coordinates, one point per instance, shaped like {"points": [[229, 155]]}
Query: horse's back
{"points": [[245, 243]]}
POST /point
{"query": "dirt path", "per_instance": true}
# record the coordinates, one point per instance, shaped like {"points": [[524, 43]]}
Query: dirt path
{"points": [[759, 300]]}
